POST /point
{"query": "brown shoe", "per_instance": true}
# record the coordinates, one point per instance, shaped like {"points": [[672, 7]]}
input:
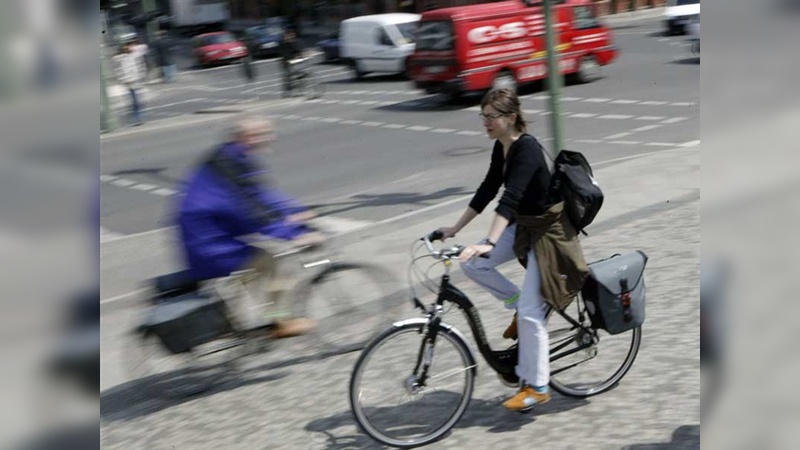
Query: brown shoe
{"points": [[292, 327], [511, 331], [526, 398]]}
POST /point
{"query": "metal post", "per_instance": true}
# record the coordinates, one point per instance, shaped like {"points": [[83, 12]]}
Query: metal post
{"points": [[148, 6], [554, 79]]}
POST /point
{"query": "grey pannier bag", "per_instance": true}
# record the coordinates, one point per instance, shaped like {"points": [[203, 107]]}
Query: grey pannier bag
{"points": [[614, 292]]}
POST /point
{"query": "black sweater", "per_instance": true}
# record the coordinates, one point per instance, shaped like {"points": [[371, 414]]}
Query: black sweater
{"points": [[527, 180]]}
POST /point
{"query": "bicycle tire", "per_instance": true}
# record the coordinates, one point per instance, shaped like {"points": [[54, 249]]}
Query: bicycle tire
{"points": [[351, 303], [415, 331], [314, 89], [565, 382]]}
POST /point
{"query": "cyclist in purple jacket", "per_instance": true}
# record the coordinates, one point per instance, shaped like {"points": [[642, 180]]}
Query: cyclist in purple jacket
{"points": [[228, 198]]}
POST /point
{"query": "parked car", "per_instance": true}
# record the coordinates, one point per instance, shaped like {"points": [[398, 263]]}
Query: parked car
{"points": [[218, 47], [680, 13], [329, 45], [264, 40], [379, 42]]}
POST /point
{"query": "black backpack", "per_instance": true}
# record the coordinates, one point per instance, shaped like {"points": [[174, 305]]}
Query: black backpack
{"points": [[573, 179]]}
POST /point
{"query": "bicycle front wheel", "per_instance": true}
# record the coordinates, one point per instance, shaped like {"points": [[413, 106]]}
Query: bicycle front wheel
{"points": [[351, 304], [391, 401], [594, 369]]}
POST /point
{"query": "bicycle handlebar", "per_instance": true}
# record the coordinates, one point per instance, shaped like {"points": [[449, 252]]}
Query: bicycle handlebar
{"points": [[450, 253]]}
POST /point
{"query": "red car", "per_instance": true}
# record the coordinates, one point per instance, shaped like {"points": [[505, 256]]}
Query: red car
{"points": [[218, 47]]}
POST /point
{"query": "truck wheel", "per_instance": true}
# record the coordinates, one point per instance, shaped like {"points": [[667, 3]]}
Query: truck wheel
{"points": [[588, 70], [505, 80]]}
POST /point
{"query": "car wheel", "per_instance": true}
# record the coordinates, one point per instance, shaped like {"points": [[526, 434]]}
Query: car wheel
{"points": [[588, 70], [358, 72]]}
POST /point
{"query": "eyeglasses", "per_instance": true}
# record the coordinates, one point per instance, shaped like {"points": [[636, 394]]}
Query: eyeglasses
{"points": [[486, 117]]}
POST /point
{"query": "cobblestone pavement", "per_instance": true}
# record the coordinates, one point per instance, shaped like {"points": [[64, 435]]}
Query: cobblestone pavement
{"points": [[281, 400]]}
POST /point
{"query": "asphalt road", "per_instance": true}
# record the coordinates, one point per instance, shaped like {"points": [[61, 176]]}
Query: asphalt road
{"points": [[372, 150]]}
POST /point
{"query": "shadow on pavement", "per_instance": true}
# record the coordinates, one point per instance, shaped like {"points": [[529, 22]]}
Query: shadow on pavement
{"points": [[390, 199], [140, 398], [690, 61], [685, 437], [480, 413]]}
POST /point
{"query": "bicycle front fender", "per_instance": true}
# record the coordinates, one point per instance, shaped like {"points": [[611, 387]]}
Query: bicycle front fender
{"points": [[447, 329]]}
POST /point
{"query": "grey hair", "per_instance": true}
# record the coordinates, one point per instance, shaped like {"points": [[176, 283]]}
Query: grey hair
{"points": [[247, 124]]}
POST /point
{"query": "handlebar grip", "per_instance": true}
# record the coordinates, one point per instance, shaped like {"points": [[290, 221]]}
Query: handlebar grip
{"points": [[435, 236]]}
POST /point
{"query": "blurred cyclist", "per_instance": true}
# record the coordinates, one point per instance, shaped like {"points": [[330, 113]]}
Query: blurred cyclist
{"points": [[227, 198]]}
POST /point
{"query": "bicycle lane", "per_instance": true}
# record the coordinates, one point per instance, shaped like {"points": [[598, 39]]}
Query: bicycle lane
{"points": [[651, 204]]}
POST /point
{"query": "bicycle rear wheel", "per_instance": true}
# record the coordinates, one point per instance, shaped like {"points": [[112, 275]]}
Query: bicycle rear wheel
{"points": [[314, 89], [350, 302], [389, 402], [592, 370]]}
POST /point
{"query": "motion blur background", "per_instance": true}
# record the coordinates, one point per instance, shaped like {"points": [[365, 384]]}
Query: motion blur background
{"points": [[49, 126]]}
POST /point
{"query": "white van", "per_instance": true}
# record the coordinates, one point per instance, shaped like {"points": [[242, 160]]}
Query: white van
{"points": [[680, 13], [378, 43]]}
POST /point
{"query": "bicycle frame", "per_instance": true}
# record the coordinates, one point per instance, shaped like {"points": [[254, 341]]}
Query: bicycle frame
{"points": [[503, 362]]}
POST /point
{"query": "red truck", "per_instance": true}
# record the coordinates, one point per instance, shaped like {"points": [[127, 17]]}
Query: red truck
{"points": [[495, 45]]}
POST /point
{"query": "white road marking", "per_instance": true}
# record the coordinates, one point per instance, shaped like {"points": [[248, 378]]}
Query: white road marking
{"points": [[372, 124], [625, 102], [572, 99], [589, 141], [690, 144], [418, 128], [661, 144], [583, 115], [618, 135], [122, 182], [652, 118], [653, 103], [394, 126], [107, 178], [597, 100], [674, 120], [144, 187], [626, 142], [615, 116], [165, 192], [442, 130], [647, 128], [350, 122], [683, 104], [469, 133], [331, 120]]}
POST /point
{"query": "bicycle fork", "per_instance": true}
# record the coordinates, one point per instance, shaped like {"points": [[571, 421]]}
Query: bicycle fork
{"points": [[419, 376]]}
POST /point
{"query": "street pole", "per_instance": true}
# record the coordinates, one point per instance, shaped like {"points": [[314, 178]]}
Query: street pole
{"points": [[554, 79], [107, 120], [148, 6]]}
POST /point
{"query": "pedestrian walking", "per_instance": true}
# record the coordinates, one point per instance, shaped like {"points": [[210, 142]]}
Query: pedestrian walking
{"points": [[129, 71], [164, 53]]}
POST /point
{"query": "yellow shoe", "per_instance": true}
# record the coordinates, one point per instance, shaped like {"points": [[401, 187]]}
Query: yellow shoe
{"points": [[525, 399], [511, 331]]}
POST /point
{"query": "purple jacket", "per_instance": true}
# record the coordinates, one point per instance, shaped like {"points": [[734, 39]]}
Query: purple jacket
{"points": [[214, 214]]}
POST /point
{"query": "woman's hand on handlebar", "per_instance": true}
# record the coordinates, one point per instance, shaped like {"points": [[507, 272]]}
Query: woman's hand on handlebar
{"points": [[301, 217], [473, 251], [447, 232]]}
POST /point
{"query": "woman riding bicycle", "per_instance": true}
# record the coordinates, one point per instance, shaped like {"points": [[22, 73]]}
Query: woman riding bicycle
{"points": [[529, 225], [224, 200]]}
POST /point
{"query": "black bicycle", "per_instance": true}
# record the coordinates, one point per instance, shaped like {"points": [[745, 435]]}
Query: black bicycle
{"points": [[413, 382], [302, 81], [196, 342]]}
